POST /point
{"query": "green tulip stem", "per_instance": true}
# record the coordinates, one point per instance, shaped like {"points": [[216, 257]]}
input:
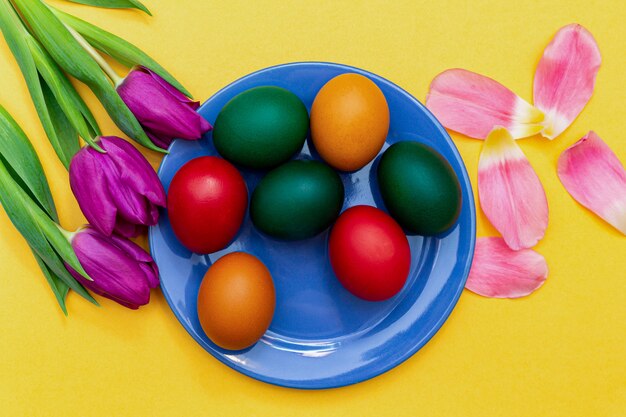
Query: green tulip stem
{"points": [[108, 70], [66, 233]]}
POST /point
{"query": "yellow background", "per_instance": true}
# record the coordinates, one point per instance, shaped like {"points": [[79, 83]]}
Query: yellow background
{"points": [[559, 352]]}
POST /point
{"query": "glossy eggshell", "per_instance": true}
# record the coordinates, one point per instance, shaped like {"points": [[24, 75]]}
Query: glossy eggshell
{"points": [[369, 253], [419, 188], [261, 127], [297, 200], [349, 121], [236, 301], [206, 203]]}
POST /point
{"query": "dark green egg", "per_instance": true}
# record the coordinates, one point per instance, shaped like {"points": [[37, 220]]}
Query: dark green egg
{"points": [[261, 127], [419, 188], [297, 200]]}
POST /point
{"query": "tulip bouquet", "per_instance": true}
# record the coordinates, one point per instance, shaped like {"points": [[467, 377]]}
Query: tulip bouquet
{"points": [[115, 186]]}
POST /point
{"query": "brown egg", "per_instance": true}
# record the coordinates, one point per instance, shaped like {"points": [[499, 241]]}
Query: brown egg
{"points": [[349, 121], [236, 301]]}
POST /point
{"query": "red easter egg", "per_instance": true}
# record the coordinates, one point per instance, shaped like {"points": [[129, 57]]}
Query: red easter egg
{"points": [[369, 253], [206, 204]]}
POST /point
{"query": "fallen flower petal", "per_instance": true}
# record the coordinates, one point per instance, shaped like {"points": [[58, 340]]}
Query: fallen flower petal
{"points": [[565, 77], [511, 195], [499, 272], [592, 174], [473, 105]]}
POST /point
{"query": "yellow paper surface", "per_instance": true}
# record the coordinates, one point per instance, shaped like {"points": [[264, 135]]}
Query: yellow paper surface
{"points": [[559, 352]]}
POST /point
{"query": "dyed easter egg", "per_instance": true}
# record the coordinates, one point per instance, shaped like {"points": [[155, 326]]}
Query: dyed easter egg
{"points": [[261, 127], [419, 188], [236, 301], [369, 253], [206, 203], [297, 200], [349, 121]]}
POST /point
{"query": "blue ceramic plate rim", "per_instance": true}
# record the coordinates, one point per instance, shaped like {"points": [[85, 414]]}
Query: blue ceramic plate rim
{"points": [[419, 343]]}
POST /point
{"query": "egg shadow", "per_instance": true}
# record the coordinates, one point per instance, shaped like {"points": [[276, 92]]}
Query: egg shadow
{"points": [[374, 186]]}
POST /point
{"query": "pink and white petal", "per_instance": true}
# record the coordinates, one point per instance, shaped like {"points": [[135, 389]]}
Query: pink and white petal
{"points": [[565, 77], [510, 193], [500, 272], [473, 105], [594, 176]]}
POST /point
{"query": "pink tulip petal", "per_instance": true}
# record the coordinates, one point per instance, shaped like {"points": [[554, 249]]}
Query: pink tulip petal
{"points": [[592, 174], [499, 272], [473, 105], [565, 77], [510, 192]]}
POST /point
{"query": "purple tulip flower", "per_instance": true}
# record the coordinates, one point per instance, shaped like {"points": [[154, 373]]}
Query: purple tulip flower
{"points": [[164, 112], [117, 191], [121, 270]]}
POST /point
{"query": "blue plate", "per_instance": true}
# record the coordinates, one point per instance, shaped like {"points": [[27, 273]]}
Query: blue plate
{"points": [[321, 335]]}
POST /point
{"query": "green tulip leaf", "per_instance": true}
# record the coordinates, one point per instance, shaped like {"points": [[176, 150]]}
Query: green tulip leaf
{"points": [[64, 142], [70, 52], [34, 225], [59, 288], [115, 4], [64, 95], [23, 163], [118, 48], [25, 195], [66, 133]]}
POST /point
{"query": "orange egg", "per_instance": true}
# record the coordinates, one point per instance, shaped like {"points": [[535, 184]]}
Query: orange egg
{"points": [[236, 301], [349, 121]]}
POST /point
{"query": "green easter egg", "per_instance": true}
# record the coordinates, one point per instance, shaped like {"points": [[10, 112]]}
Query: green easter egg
{"points": [[419, 188], [297, 200], [261, 127]]}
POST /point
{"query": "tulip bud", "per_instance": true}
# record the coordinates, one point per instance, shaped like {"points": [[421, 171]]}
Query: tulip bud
{"points": [[121, 270], [118, 191], [164, 112]]}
